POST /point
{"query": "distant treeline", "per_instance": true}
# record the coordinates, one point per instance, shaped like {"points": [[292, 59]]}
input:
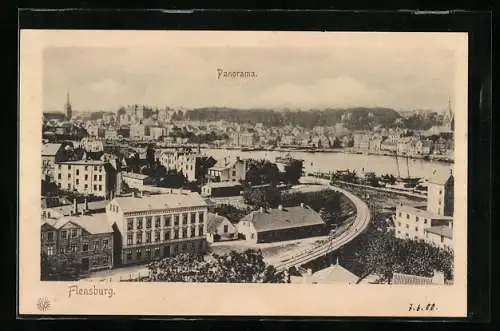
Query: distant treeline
{"points": [[353, 118]]}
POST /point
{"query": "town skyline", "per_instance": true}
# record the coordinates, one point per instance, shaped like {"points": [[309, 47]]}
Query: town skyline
{"points": [[294, 78]]}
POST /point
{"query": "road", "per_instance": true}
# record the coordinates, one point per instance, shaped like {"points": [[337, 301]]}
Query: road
{"points": [[360, 223]]}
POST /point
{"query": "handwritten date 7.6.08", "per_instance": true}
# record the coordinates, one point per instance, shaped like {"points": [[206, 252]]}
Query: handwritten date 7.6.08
{"points": [[422, 307]]}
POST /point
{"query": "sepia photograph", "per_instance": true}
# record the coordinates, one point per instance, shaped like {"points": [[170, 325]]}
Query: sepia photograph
{"points": [[301, 160]]}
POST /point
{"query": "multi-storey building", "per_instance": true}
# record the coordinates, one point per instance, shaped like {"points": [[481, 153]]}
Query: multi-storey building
{"points": [[157, 226], [139, 131], [228, 170], [156, 132], [193, 165], [86, 238], [52, 153], [412, 223], [440, 194], [90, 177]]}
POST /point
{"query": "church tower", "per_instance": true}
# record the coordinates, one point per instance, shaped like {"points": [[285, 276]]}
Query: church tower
{"points": [[67, 108], [449, 118]]}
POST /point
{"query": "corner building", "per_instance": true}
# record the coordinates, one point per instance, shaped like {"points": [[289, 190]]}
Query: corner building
{"points": [[157, 226]]}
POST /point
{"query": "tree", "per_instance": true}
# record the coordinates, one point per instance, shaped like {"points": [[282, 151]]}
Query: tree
{"points": [[231, 212], [172, 179], [150, 156], [234, 267], [293, 171], [267, 197], [262, 172], [49, 188], [60, 268]]}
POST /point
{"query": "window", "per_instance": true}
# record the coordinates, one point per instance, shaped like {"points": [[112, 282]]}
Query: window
{"points": [[86, 177], [399, 223], [139, 224], [415, 237], [105, 243], [439, 202], [138, 239], [129, 255], [176, 234], [200, 230], [400, 214], [77, 172], [148, 253], [157, 222], [184, 233], [130, 224], [138, 254], [252, 236], [399, 232], [416, 219], [407, 216], [148, 237], [96, 245], [95, 177], [69, 186], [176, 220], [77, 182], [157, 235], [100, 177], [86, 168], [234, 173], [416, 228], [148, 222], [74, 233], [50, 251], [69, 167], [74, 248], [407, 226], [58, 176], [95, 168], [86, 186], [59, 167], [95, 187], [442, 239], [226, 228], [64, 234], [85, 247], [168, 220], [166, 235], [193, 217], [69, 176], [100, 187], [440, 191], [425, 220], [166, 250], [201, 217], [157, 252], [130, 239], [193, 229], [61, 250]]}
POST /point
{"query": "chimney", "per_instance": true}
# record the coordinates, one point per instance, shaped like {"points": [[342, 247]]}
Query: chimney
{"points": [[438, 278], [75, 207], [280, 207], [302, 205], [261, 209]]}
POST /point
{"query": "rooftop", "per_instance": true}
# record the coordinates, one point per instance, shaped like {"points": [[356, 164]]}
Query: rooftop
{"points": [[404, 279], [213, 221], [134, 175], [50, 149], [290, 217], [94, 224], [223, 184], [92, 206], [160, 201], [334, 274], [87, 162], [441, 230], [440, 178], [421, 212]]}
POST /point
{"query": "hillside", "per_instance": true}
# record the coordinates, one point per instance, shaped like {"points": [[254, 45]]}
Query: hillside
{"points": [[353, 118]]}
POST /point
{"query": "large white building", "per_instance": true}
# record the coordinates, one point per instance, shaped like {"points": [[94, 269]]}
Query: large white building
{"points": [[90, 177], [158, 226], [228, 170], [432, 223]]}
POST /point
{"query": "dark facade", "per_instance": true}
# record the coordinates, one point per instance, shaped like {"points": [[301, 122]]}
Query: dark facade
{"points": [[291, 233]]}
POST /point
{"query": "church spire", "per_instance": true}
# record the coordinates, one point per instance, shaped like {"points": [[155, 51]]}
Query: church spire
{"points": [[67, 107]]}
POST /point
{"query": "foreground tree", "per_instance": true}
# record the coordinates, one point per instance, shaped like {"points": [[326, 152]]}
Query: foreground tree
{"points": [[63, 268], [293, 171], [235, 267], [267, 197]]}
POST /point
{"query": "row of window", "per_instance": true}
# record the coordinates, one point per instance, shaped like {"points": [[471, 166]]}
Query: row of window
{"points": [[167, 251], [408, 226], [416, 237], [156, 220], [416, 218], [64, 234], [167, 235], [86, 177], [96, 168], [74, 248], [85, 187]]}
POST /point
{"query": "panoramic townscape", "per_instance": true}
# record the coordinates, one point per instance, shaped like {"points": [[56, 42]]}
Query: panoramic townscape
{"points": [[353, 195]]}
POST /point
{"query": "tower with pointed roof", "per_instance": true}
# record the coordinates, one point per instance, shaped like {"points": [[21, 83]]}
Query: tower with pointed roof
{"points": [[449, 118], [67, 107]]}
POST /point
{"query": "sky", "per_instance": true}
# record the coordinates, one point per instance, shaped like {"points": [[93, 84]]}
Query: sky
{"points": [[294, 77]]}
